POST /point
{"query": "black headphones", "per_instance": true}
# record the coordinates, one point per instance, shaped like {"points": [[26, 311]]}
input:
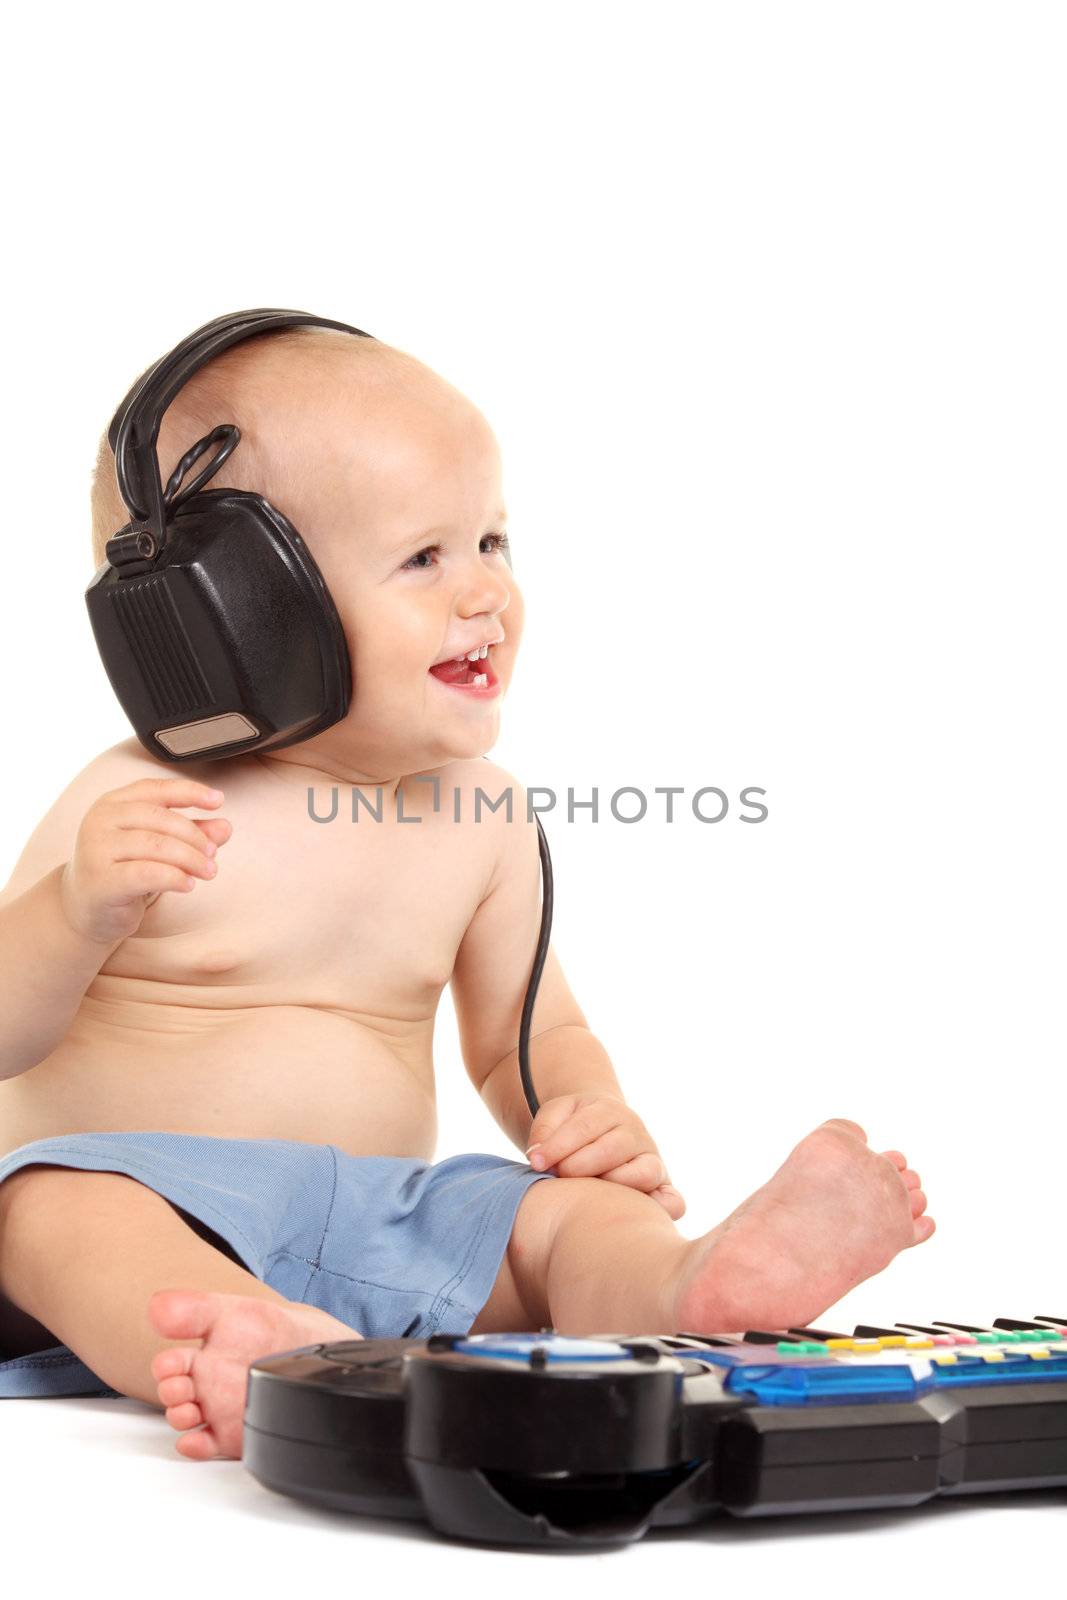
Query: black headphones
{"points": [[215, 626]]}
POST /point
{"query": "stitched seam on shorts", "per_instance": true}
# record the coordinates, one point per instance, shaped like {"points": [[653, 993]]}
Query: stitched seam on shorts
{"points": [[441, 1300], [315, 1265], [28, 1363], [140, 1166], [364, 1283]]}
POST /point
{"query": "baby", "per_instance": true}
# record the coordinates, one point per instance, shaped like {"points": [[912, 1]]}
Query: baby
{"points": [[217, 1113]]}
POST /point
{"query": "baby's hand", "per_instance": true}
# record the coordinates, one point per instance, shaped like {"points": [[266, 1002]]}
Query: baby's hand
{"points": [[131, 847], [599, 1136]]}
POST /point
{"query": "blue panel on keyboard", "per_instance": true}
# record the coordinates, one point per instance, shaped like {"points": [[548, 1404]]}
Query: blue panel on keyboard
{"points": [[781, 1380], [827, 1382]]}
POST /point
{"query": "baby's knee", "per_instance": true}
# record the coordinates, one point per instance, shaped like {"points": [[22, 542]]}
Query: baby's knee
{"points": [[583, 1202]]}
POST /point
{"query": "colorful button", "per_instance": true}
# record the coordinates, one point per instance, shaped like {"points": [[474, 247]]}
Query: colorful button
{"points": [[945, 1361], [839, 1344], [893, 1341], [993, 1355], [866, 1347], [1040, 1355], [919, 1344], [801, 1347]]}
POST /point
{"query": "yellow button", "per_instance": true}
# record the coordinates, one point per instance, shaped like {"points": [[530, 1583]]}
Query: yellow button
{"points": [[839, 1344], [1040, 1355], [945, 1361], [892, 1341], [866, 1347], [992, 1355], [918, 1344]]}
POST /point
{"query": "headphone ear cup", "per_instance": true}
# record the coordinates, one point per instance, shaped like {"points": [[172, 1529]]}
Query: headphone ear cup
{"points": [[230, 640]]}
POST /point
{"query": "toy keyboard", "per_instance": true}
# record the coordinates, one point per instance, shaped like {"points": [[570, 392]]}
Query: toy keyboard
{"points": [[538, 1439]]}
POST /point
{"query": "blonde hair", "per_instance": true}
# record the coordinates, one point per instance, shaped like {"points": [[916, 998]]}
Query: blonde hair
{"points": [[261, 385]]}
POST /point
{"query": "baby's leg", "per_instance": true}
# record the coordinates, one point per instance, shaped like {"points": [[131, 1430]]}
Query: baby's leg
{"points": [[587, 1256], [83, 1252]]}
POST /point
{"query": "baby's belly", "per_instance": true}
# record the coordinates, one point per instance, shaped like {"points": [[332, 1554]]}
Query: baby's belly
{"points": [[263, 1072]]}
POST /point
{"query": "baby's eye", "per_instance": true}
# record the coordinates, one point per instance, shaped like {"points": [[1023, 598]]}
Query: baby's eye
{"points": [[430, 550], [498, 541]]}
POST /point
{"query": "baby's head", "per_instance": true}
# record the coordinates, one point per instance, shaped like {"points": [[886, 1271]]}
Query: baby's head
{"points": [[393, 479]]}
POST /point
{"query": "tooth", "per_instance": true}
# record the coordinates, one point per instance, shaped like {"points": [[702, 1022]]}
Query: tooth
{"points": [[484, 651], [473, 655], [460, 658], [480, 680]]}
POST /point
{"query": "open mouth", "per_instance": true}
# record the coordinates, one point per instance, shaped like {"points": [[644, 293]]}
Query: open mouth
{"points": [[477, 677]]}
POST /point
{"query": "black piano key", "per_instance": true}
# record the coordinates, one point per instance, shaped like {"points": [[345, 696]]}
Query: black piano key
{"points": [[960, 1327], [918, 1327], [1061, 1322], [1011, 1324], [822, 1334], [765, 1335], [699, 1338], [867, 1330]]}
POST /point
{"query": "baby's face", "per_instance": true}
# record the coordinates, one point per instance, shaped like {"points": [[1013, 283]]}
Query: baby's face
{"points": [[411, 540]]}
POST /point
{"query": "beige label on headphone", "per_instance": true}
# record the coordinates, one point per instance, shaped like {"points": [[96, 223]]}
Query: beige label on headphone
{"points": [[207, 734]]}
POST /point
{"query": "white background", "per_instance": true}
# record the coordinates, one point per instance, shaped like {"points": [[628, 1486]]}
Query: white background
{"points": [[765, 304]]}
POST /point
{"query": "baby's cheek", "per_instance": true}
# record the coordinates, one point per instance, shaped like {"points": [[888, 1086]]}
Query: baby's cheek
{"points": [[513, 616]]}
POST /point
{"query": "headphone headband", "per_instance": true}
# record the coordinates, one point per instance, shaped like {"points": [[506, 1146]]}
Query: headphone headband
{"points": [[134, 429]]}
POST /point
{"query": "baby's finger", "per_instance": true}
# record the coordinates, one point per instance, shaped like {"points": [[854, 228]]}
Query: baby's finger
{"points": [[552, 1115], [612, 1149], [580, 1128], [159, 820], [646, 1172], [171, 792], [150, 879], [136, 844], [217, 829], [670, 1200]]}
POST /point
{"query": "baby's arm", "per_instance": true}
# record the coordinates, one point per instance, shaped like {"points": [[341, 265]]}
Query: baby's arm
{"points": [[584, 1125], [81, 886]]}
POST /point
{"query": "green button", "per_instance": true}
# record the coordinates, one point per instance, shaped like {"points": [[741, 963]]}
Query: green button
{"points": [[804, 1347], [1031, 1335], [986, 1338], [1007, 1338]]}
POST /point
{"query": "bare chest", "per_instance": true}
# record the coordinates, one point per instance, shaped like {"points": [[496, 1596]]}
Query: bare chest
{"points": [[353, 914]]}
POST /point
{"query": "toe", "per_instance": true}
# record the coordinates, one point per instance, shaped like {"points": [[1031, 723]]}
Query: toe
{"points": [[911, 1179], [172, 1363], [175, 1391], [924, 1227], [918, 1202], [846, 1126], [897, 1157], [183, 1313], [199, 1445], [184, 1416]]}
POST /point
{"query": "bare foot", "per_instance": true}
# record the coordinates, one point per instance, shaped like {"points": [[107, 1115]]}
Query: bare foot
{"points": [[208, 1385], [834, 1214]]}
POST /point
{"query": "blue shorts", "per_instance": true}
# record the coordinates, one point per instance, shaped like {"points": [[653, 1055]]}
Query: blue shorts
{"points": [[391, 1246]]}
